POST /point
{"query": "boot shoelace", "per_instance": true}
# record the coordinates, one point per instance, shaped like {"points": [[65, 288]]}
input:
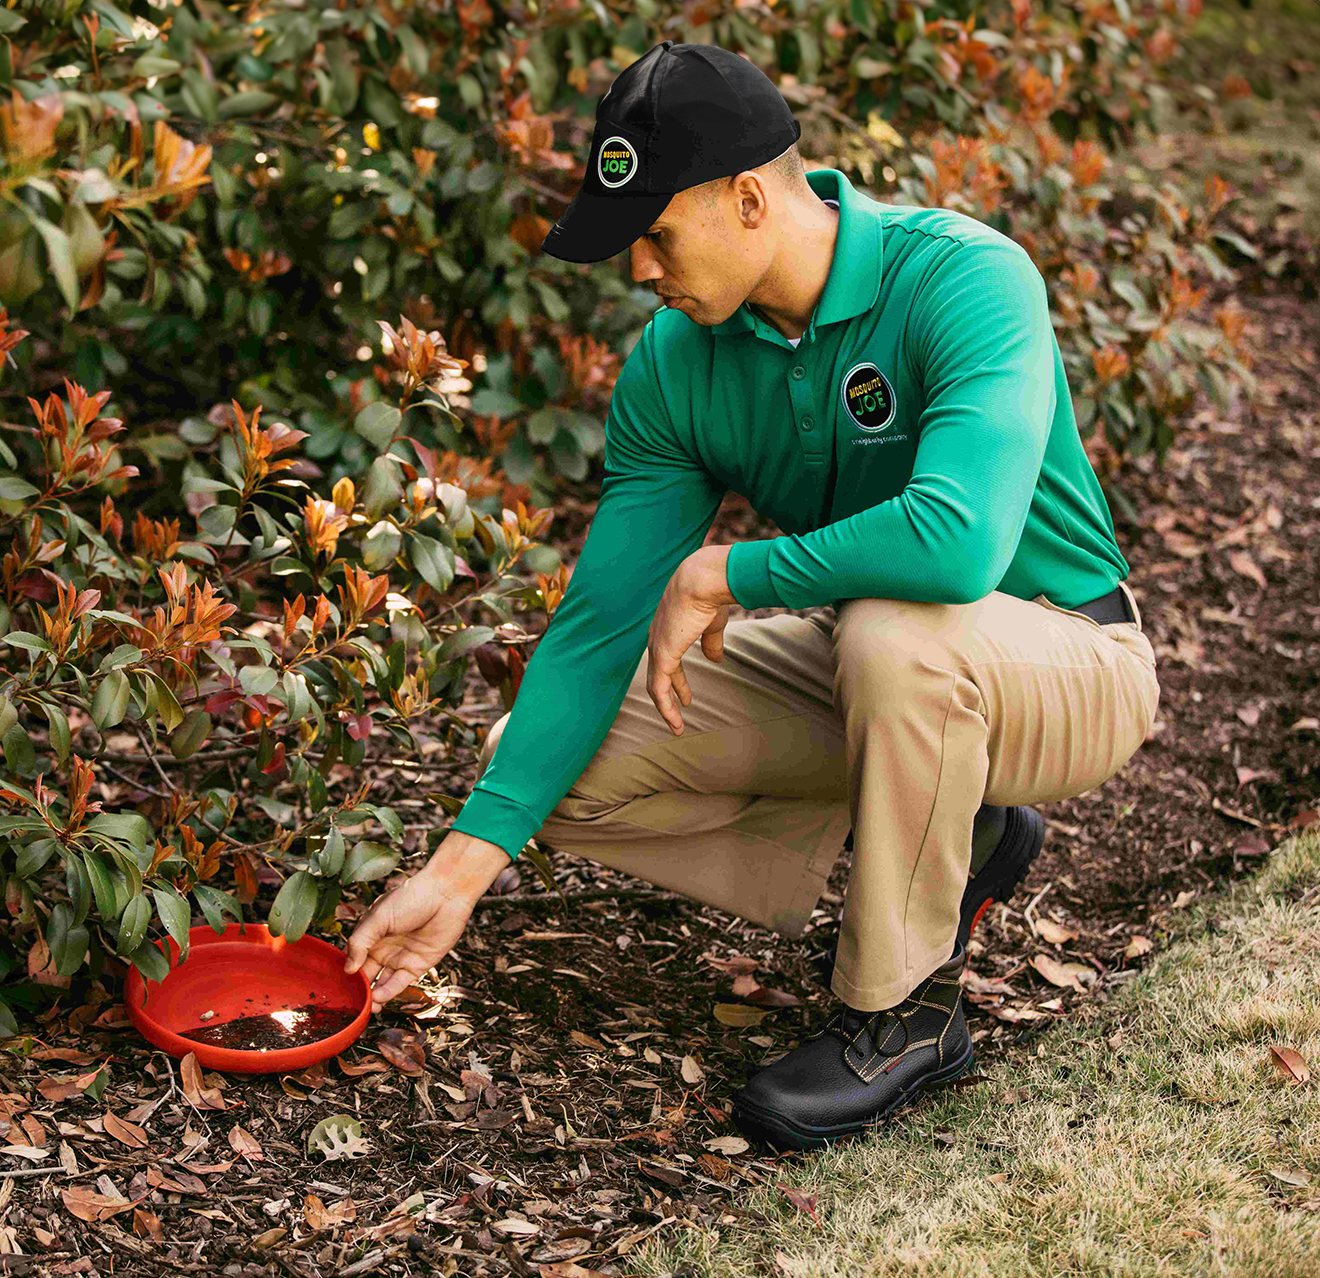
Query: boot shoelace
{"points": [[835, 1026]]}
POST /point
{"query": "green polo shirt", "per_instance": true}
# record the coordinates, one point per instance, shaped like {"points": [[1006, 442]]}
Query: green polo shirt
{"points": [[918, 443]]}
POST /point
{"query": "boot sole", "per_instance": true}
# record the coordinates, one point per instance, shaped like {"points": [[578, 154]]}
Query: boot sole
{"points": [[1023, 838], [761, 1124]]}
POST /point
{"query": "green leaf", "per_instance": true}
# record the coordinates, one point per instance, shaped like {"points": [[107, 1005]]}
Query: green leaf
{"points": [[123, 827], [330, 858], [14, 489], [32, 856], [150, 64], [19, 753], [463, 641], [110, 703], [191, 734], [215, 905], [294, 906], [367, 860], [149, 960], [60, 740], [382, 491], [377, 423], [133, 926], [167, 706], [79, 883], [176, 916], [9, 23], [433, 560], [67, 940], [102, 886], [122, 655], [381, 545], [258, 680], [60, 253], [253, 102]]}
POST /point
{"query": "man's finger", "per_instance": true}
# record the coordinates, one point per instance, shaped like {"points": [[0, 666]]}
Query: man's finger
{"points": [[364, 936], [398, 981]]}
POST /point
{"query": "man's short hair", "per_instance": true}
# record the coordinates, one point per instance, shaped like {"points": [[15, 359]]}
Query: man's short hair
{"points": [[788, 168]]}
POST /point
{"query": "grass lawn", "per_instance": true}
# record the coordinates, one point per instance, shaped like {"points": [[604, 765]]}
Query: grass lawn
{"points": [[1164, 1137]]}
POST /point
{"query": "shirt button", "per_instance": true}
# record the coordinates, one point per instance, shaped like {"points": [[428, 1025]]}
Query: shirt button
{"points": [[798, 372], [808, 423]]}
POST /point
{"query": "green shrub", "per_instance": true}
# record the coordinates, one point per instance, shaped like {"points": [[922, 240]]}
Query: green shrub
{"points": [[306, 162], [231, 668]]}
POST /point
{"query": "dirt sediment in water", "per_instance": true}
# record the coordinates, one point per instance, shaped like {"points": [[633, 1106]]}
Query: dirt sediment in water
{"points": [[271, 1031]]}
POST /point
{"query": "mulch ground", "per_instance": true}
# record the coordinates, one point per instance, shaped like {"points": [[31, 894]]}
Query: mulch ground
{"points": [[559, 1094]]}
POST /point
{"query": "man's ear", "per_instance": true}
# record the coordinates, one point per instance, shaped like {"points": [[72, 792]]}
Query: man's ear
{"points": [[752, 199]]}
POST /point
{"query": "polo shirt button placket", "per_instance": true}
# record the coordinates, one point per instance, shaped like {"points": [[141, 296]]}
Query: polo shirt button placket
{"points": [[798, 372]]}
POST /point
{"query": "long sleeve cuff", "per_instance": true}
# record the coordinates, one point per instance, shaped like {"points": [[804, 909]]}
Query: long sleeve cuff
{"points": [[748, 572], [490, 816]]}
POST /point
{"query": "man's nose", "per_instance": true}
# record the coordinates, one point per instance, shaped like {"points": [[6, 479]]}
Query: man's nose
{"points": [[643, 263]]}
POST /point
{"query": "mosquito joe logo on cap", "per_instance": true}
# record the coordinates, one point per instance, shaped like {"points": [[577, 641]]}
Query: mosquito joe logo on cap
{"points": [[617, 161], [868, 397]]}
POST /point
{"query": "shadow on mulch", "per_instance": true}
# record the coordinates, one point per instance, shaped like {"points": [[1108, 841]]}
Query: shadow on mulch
{"points": [[573, 1096]]}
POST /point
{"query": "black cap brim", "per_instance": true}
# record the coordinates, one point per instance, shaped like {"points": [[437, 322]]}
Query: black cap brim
{"points": [[595, 227]]}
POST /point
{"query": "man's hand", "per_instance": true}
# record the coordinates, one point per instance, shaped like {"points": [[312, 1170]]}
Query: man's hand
{"points": [[695, 605], [409, 930]]}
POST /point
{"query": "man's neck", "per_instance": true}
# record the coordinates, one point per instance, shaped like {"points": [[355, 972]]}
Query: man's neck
{"points": [[789, 291]]}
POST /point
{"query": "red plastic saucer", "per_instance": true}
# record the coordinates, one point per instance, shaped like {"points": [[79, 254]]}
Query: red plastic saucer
{"points": [[245, 971]]}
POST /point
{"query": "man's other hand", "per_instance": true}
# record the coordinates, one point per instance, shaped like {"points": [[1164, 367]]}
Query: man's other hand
{"points": [[410, 929], [695, 605]]}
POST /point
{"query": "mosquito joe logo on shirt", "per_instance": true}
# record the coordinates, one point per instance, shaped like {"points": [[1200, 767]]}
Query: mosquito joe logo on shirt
{"points": [[617, 161], [868, 398]]}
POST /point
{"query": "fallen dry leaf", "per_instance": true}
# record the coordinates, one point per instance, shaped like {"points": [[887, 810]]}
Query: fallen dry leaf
{"points": [[764, 996], [1138, 946], [1307, 724], [405, 1051], [1250, 715], [732, 965], [126, 1133], [1074, 976], [195, 1087], [319, 1216], [690, 1071], [1243, 564], [738, 1015], [727, 1145], [146, 1224], [585, 1040], [801, 1200], [1245, 775], [743, 984], [1290, 1065], [567, 1269], [1291, 1176], [243, 1142], [93, 1207], [1183, 899], [1054, 933]]}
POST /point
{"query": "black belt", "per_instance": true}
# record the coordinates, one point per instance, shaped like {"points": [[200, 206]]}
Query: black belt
{"points": [[1108, 608]]}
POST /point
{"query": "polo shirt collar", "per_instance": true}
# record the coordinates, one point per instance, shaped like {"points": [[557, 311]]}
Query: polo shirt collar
{"points": [[853, 284]]}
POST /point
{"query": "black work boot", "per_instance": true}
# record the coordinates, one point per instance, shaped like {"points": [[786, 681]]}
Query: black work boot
{"points": [[1005, 841], [860, 1067]]}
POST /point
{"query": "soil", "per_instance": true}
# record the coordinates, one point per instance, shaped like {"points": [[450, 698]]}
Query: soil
{"points": [[561, 1091], [291, 1027]]}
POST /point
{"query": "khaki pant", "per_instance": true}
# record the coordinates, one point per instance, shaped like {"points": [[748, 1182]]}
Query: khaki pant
{"points": [[894, 718]]}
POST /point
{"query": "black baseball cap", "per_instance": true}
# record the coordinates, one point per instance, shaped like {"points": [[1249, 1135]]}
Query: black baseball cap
{"points": [[682, 114]]}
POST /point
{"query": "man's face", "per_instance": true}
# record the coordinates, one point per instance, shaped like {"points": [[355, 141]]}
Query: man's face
{"points": [[699, 256]]}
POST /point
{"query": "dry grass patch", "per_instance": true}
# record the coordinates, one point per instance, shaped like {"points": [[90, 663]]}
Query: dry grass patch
{"points": [[1164, 1137]]}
